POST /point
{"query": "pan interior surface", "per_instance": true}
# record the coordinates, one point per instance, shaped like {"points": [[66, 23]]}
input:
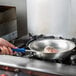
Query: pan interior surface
{"points": [[59, 44]]}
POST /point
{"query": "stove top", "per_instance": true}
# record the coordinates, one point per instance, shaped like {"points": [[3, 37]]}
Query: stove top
{"points": [[69, 59]]}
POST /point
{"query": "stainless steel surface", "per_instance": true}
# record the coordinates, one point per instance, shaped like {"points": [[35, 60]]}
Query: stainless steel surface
{"points": [[55, 17], [37, 65]]}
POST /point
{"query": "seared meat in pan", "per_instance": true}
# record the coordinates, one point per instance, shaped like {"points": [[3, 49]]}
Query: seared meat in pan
{"points": [[49, 49]]}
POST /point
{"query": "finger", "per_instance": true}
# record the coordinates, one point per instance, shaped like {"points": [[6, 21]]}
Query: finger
{"points": [[14, 53], [2, 50], [6, 50], [10, 51], [10, 45]]}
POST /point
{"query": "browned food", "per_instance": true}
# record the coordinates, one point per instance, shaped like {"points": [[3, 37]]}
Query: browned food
{"points": [[49, 49]]}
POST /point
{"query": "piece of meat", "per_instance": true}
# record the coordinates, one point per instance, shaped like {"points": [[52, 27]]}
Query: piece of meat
{"points": [[49, 49]]}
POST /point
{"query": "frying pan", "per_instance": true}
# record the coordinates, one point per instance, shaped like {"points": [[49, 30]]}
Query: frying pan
{"points": [[63, 46]]}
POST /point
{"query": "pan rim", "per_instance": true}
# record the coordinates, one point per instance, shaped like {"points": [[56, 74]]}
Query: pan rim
{"points": [[31, 43]]}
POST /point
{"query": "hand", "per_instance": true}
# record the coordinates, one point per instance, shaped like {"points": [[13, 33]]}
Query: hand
{"points": [[6, 46], [4, 42]]}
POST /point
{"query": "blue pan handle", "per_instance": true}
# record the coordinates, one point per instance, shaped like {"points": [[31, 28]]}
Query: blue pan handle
{"points": [[19, 49]]}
